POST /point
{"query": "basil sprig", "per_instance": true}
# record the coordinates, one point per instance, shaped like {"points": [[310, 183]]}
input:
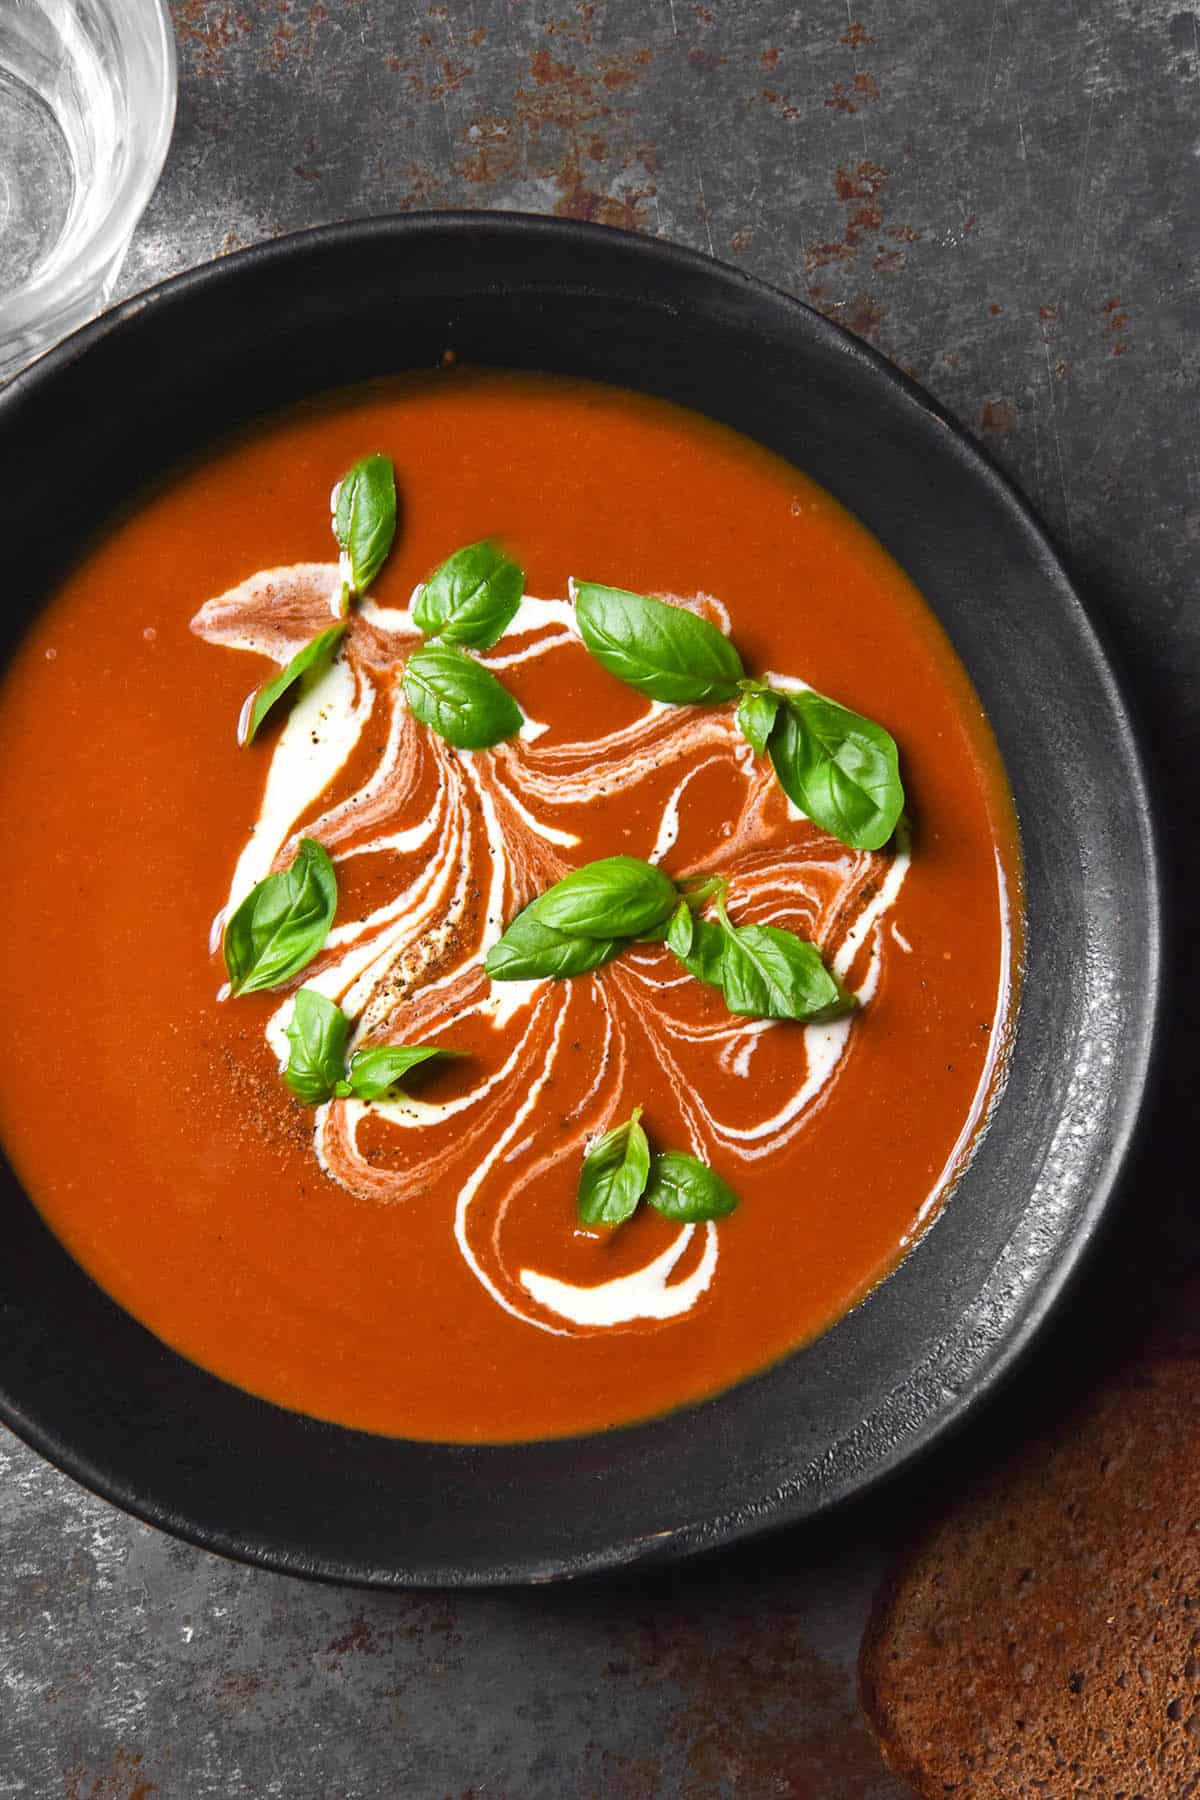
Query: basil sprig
{"points": [[458, 698], [584, 920], [763, 971], [603, 908], [472, 597], [597, 911], [364, 518], [666, 652], [316, 1068], [308, 665], [282, 923], [469, 599], [364, 524], [841, 769], [619, 1171]]}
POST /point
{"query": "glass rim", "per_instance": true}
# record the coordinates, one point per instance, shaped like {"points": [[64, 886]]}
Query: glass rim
{"points": [[37, 307]]}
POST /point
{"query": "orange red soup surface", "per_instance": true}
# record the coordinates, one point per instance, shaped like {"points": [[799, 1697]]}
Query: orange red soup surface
{"points": [[418, 1268]]}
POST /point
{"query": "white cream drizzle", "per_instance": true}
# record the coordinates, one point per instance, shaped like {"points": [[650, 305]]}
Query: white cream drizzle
{"points": [[322, 729], [487, 847], [645, 1294], [668, 829]]}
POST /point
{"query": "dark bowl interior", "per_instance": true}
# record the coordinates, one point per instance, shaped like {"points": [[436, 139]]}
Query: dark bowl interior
{"points": [[164, 375]]}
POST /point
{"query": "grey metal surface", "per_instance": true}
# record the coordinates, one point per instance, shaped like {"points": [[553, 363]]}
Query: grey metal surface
{"points": [[1001, 197]]}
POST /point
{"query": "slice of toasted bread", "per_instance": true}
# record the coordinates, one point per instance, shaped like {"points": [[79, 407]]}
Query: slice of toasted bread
{"points": [[1042, 1640]]}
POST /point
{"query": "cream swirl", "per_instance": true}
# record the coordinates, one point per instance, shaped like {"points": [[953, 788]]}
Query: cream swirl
{"points": [[457, 843]]}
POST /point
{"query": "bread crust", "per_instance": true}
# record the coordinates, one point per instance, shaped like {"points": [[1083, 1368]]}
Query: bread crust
{"points": [[1041, 1640]]}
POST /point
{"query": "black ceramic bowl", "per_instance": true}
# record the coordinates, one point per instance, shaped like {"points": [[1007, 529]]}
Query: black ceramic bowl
{"points": [[165, 374]]}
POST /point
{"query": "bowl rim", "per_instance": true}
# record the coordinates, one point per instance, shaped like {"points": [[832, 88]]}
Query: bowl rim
{"points": [[1125, 1123]]}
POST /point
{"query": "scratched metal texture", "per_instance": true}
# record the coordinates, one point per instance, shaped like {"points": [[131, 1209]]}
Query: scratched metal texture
{"points": [[1001, 197]]}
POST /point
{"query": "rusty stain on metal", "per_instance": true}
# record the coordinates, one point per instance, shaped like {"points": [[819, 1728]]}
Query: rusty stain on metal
{"points": [[998, 417], [789, 111], [849, 96], [1116, 322], [208, 33], [859, 190], [767, 1715], [561, 128], [121, 1779]]}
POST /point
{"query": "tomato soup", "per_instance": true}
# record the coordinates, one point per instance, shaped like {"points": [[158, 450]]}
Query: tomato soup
{"points": [[417, 1263]]}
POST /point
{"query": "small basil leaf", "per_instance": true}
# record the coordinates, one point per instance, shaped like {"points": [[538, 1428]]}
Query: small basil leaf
{"points": [[768, 973], [681, 932], [705, 959], [317, 1034], [689, 1191], [755, 716], [530, 950], [364, 517], [614, 1174], [617, 896], [310, 662], [472, 597], [374, 1072], [839, 768], [664, 651], [282, 923], [458, 698]]}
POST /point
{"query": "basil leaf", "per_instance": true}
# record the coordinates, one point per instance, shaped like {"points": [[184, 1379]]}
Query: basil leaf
{"points": [[282, 923], [617, 896], [311, 662], [530, 950], [682, 1188], [614, 1175], [663, 651], [317, 1034], [681, 932], [839, 768], [458, 698], [472, 597], [706, 957], [374, 1072], [768, 973], [364, 517], [756, 715]]}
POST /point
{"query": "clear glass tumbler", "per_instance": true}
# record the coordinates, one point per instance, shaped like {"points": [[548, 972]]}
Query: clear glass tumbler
{"points": [[87, 102]]}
